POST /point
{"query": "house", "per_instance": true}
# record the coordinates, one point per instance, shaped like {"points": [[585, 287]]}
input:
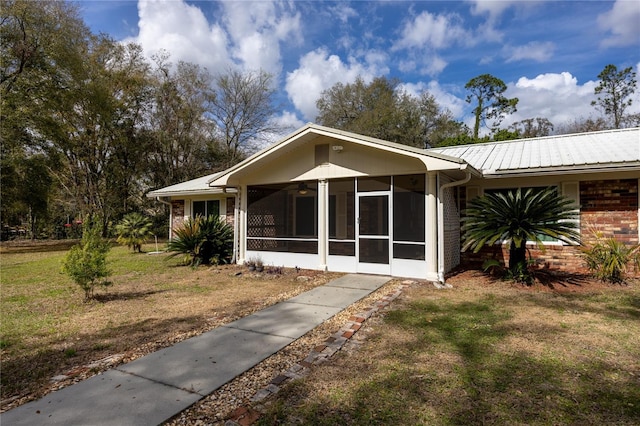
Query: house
{"points": [[326, 199]]}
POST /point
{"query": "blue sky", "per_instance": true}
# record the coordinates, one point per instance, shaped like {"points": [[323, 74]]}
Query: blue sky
{"points": [[548, 53]]}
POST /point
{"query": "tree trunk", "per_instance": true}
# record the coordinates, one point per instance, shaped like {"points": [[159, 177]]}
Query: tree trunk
{"points": [[517, 255]]}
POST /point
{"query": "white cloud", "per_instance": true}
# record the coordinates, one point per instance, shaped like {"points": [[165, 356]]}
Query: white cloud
{"points": [[557, 97], [247, 36], [425, 35], [444, 98], [622, 22], [318, 70], [536, 51], [183, 31], [343, 12], [431, 31], [492, 8], [256, 31]]}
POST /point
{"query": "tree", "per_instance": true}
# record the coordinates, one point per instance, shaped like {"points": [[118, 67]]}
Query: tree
{"points": [[86, 263], [582, 125], [616, 87], [93, 124], [381, 110], [516, 217], [179, 129], [37, 44], [487, 93], [133, 230], [532, 127], [242, 111]]}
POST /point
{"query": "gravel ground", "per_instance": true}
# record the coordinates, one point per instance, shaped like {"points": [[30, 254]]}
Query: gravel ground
{"points": [[216, 408]]}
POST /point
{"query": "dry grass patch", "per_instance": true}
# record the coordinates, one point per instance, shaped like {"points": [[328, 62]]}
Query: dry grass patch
{"points": [[47, 330], [484, 352]]}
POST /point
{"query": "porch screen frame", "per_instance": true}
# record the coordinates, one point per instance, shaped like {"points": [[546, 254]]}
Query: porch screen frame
{"points": [[274, 213]]}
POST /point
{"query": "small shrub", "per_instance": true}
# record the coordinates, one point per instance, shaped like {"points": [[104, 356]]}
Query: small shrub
{"points": [[275, 270], [609, 259], [86, 262], [133, 230], [70, 352]]}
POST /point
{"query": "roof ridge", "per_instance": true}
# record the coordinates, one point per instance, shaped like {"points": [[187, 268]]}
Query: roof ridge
{"points": [[539, 138]]}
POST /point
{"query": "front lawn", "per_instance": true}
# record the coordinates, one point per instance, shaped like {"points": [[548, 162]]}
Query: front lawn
{"points": [[47, 330], [484, 352]]}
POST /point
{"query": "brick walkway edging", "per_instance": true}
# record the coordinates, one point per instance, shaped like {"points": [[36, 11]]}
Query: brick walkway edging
{"points": [[245, 415]]}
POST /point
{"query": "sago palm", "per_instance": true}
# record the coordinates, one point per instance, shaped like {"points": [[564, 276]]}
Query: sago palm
{"points": [[133, 230], [517, 217], [203, 240]]}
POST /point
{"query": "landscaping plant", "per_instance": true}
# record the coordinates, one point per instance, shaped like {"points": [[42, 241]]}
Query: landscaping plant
{"points": [[133, 231], [517, 217], [609, 259], [203, 240], [86, 262]]}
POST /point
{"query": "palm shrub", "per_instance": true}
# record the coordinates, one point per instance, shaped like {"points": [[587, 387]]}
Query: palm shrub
{"points": [[608, 259], [518, 216], [202, 241], [133, 230], [86, 262]]}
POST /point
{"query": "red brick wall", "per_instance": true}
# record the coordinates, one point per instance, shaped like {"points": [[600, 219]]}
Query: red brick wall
{"points": [[177, 213], [231, 210], [608, 207]]}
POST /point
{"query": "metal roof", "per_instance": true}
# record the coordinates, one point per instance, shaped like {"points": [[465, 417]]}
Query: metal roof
{"points": [[574, 153], [195, 186]]}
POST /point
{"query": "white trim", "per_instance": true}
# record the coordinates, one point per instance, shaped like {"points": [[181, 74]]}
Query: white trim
{"points": [[431, 226], [280, 258], [323, 222], [375, 268]]}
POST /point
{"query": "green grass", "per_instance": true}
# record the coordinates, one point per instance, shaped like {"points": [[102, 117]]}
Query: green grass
{"points": [[37, 295], [483, 356]]}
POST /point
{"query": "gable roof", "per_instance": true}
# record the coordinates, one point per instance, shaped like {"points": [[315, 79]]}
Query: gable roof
{"points": [[195, 186], [436, 160], [575, 153]]}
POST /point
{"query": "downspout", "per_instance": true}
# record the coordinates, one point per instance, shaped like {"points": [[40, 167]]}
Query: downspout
{"points": [[441, 223], [160, 200]]}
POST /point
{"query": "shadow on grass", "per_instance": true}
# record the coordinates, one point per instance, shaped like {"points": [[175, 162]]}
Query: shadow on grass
{"points": [[127, 295], [28, 375], [456, 368], [552, 279], [28, 246]]}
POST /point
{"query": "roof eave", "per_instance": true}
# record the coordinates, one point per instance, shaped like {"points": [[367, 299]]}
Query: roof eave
{"points": [[625, 167], [202, 191]]}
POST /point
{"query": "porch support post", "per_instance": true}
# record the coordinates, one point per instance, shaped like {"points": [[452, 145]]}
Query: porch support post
{"points": [[323, 222], [242, 224], [431, 218]]}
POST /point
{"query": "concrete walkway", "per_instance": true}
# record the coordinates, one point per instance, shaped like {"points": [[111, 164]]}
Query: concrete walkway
{"points": [[156, 387]]}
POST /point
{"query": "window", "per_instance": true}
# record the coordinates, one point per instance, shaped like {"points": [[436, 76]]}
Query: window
{"points": [[543, 238], [342, 217], [205, 208], [409, 217]]}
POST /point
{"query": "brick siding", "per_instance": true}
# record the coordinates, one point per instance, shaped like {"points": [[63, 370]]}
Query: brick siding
{"points": [[177, 213], [608, 207], [231, 210]]}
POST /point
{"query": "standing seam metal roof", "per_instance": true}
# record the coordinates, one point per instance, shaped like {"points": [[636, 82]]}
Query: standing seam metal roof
{"points": [[605, 149]]}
